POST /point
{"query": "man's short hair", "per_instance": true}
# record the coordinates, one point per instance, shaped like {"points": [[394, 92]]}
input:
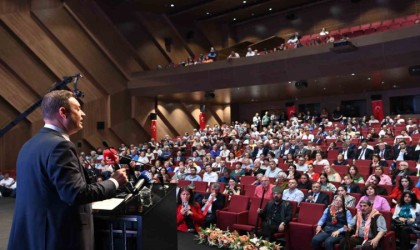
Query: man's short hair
{"points": [[191, 168], [55, 100], [216, 186], [366, 202]]}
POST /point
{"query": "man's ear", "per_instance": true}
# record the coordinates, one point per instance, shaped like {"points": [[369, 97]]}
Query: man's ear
{"points": [[62, 112]]}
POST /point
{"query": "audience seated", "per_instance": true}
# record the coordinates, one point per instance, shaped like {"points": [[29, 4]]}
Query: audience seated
{"points": [[275, 215]]}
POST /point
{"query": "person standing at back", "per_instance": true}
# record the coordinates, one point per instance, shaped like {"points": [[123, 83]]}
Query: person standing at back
{"points": [[53, 209]]}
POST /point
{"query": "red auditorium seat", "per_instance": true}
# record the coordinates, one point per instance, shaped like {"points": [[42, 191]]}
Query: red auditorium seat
{"points": [[201, 186], [302, 231], [387, 22], [336, 34], [394, 26], [246, 222], [332, 155], [305, 40], [412, 18], [388, 240], [249, 190], [375, 25], [345, 32], [357, 196], [356, 31], [399, 20], [367, 29], [247, 180], [229, 215], [285, 234], [183, 183]]}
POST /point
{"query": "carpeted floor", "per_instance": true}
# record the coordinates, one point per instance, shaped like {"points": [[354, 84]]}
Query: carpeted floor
{"points": [[185, 240]]}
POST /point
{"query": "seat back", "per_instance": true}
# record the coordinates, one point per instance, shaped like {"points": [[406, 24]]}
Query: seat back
{"points": [[249, 190], [247, 180], [330, 195], [255, 204], [238, 203], [201, 186], [310, 213], [183, 183]]}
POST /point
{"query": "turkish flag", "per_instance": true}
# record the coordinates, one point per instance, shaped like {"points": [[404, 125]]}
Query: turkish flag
{"points": [[291, 110], [202, 118], [154, 130], [378, 110]]}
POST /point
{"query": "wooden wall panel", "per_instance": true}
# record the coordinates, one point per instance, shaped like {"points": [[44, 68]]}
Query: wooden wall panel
{"points": [[130, 132], [163, 130], [14, 6], [143, 44], [159, 27], [101, 29], [177, 117], [66, 30], [48, 55], [119, 108], [141, 108], [96, 111], [18, 96], [11, 144]]}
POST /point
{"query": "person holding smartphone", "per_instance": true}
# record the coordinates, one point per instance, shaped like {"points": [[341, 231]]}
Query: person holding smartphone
{"points": [[188, 214]]}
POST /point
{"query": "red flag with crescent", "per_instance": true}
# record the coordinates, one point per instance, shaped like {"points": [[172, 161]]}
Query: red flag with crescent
{"points": [[291, 110], [154, 130], [377, 109], [202, 118]]}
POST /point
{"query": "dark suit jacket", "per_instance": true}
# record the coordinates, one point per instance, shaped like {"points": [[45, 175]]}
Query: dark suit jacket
{"points": [[255, 152], [218, 204], [53, 208], [387, 153], [323, 198], [368, 153], [354, 188], [350, 154], [407, 154]]}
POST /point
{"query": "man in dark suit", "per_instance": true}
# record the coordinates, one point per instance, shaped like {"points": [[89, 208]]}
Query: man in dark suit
{"points": [[347, 152], [260, 149], [316, 196], [403, 152], [53, 209], [364, 153], [212, 202], [383, 152], [402, 171]]}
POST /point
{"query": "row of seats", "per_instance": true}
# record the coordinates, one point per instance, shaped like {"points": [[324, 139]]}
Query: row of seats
{"points": [[364, 29], [241, 214]]}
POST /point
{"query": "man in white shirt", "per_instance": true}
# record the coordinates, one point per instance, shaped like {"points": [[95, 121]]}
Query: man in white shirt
{"points": [[6, 185], [209, 175], [301, 166], [273, 171], [292, 193]]}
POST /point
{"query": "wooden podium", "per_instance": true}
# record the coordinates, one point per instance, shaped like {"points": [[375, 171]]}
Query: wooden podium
{"points": [[135, 226]]}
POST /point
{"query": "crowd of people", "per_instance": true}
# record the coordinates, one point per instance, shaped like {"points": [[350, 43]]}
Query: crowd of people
{"points": [[293, 42], [282, 155]]}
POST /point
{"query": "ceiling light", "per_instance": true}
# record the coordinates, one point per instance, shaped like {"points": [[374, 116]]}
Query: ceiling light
{"points": [[368, 78], [172, 5], [270, 9], [234, 19], [207, 13], [382, 82], [353, 74], [243, 1], [252, 14]]}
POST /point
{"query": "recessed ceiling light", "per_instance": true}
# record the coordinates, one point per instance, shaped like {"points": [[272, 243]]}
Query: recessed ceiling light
{"points": [[207, 13], [353, 74], [252, 14], [234, 19], [325, 88], [270, 9], [290, 82], [368, 78], [243, 1], [382, 82], [172, 5]]}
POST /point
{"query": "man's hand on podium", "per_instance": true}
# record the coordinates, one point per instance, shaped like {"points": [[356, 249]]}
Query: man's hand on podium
{"points": [[120, 176]]}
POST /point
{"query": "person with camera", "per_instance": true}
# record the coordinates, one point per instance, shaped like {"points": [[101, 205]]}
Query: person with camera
{"points": [[188, 213]]}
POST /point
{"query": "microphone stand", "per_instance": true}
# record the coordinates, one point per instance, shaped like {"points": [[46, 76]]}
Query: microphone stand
{"points": [[258, 215]]}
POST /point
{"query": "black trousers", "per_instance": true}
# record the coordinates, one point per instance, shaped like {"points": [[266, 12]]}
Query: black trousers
{"points": [[350, 242]]}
